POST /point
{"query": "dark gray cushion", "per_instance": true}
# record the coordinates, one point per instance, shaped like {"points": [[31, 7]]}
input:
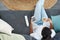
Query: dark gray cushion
{"points": [[57, 36], [27, 37], [52, 12], [16, 20]]}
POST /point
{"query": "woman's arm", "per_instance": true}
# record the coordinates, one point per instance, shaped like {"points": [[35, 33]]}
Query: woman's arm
{"points": [[51, 25], [31, 29], [48, 20]]}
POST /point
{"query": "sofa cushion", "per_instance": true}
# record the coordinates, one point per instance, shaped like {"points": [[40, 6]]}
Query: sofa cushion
{"points": [[56, 22], [27, 37], [52, 12], [16, 20]]}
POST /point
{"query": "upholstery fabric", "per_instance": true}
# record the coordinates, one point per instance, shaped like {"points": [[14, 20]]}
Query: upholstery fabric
{"points": [[16, 20], [56, 22]]}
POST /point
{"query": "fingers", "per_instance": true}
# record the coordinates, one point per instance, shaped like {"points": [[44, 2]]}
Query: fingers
{"points": [[47, 20], [44, 19]]}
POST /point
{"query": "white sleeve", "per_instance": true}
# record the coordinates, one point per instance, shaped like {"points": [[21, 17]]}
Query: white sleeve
{"points": [[53, 33], [46, 24], [36, 36], [37, 33]]}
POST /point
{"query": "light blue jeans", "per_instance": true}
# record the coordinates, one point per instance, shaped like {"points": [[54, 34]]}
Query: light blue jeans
{"points": [[39, 12]]}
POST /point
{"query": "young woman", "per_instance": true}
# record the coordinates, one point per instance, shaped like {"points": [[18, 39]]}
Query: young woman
{"points": [[46, 34], [43, 31]]}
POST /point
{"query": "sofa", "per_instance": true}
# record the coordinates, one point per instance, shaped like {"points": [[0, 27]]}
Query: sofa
{"points": [[16, 18]]}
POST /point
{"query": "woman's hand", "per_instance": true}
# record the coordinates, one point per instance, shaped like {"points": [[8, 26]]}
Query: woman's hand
{"points": [[47, 20]]}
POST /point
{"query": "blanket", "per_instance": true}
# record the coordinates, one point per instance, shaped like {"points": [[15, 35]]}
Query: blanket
{"points": [[11, 37]]}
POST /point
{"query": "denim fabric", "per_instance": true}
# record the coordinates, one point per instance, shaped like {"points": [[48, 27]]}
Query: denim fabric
{"points": [[40, 12]]}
